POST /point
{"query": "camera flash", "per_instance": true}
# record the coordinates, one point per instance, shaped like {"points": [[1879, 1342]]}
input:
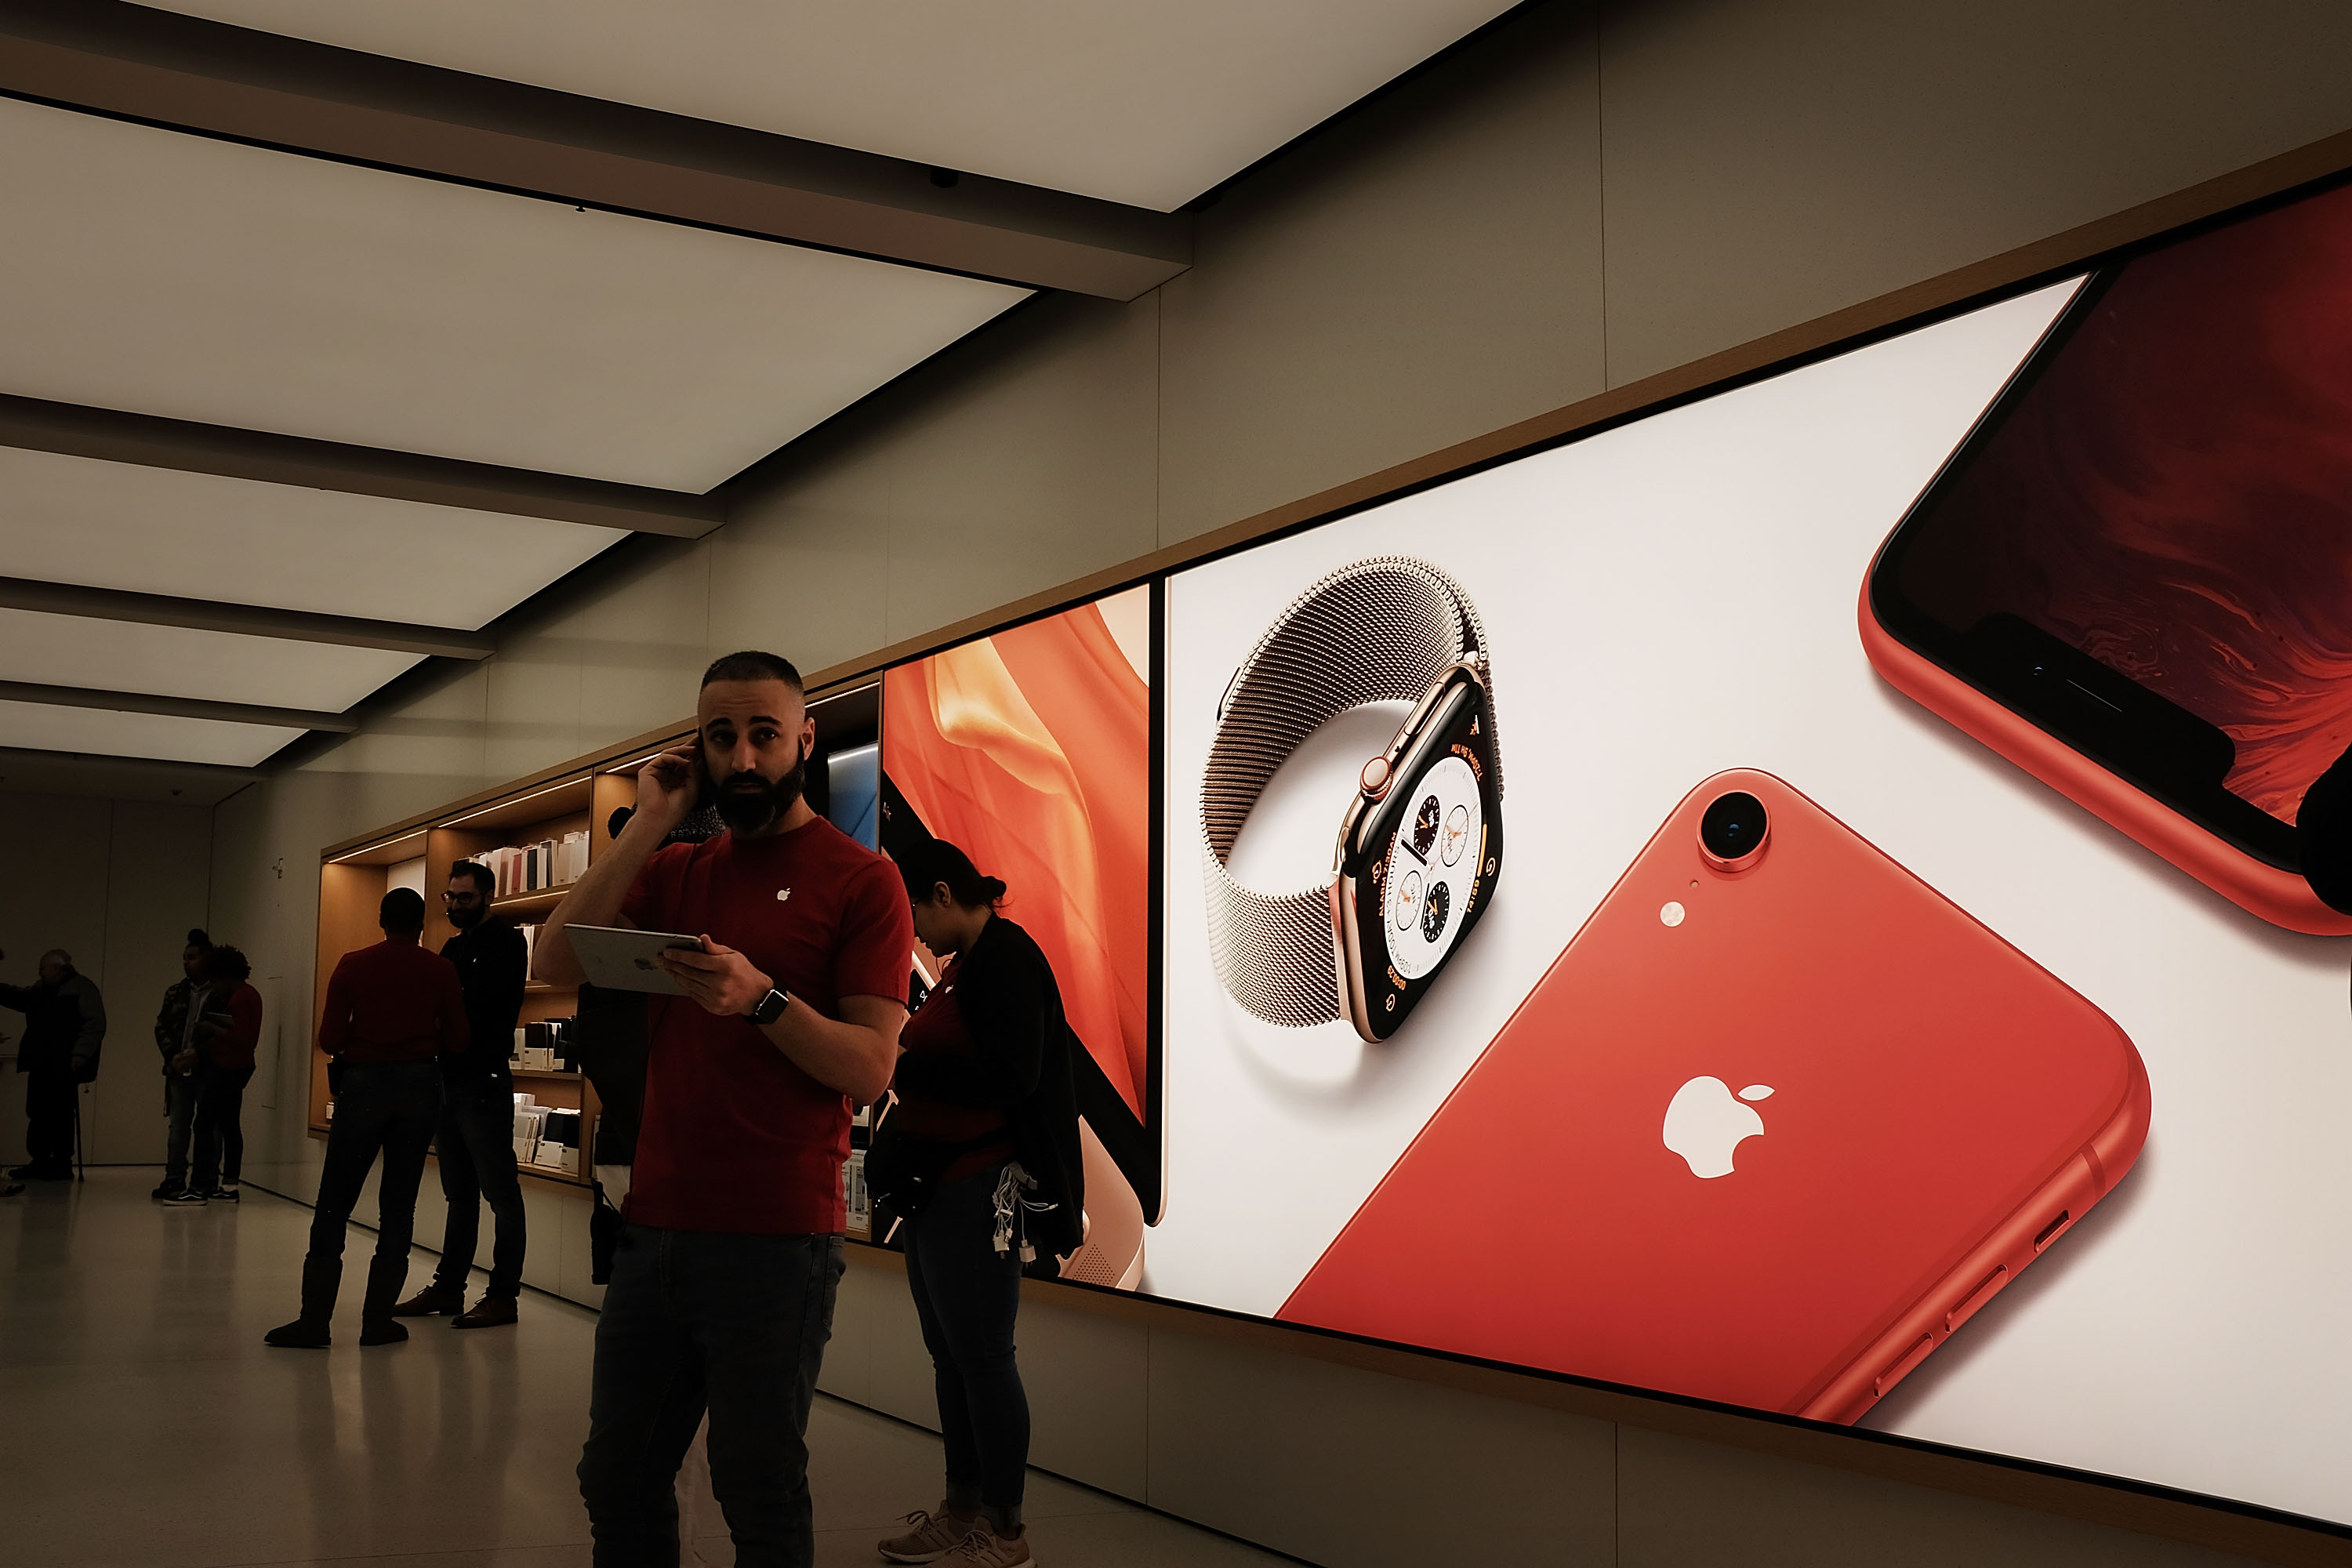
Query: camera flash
{"points": [[1671, 914]]}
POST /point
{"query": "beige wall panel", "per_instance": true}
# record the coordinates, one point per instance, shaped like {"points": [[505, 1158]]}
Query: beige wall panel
{"points": [[900, 1370], [1686, 1504], [639, 643], [1342, 1466], [429, 752], [1024, 459], [532, 705], [849, 1369], [1770, 161], [1087, 1376], [158, 884], [802, 568], [1422, 274]]}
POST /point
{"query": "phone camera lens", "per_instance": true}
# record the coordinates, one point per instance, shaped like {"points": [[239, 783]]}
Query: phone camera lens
{"points": [[1733, 831]]}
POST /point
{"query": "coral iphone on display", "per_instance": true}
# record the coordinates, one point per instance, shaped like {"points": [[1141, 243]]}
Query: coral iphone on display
{"points": [[1780, 1121]]}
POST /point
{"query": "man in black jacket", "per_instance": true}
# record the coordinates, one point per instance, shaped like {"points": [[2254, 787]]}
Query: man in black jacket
{"points": [[65, 1024], [475, 1140]]}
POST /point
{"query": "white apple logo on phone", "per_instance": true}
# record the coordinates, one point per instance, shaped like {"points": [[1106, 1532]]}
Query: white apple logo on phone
{"points": [[1705, 1123]]}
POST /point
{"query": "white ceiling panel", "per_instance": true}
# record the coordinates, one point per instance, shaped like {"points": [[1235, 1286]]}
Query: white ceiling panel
{"points": [[1144, 101], [174, 275], [202, 536], [179, 661], [38, 727]]}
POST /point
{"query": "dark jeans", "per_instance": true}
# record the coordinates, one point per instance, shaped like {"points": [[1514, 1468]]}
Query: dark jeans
{"points": [[382, 1107], [475, 1146], [220, 1127], [967, 1295], [49, 1118], [182, 1091], [696, 1319]]}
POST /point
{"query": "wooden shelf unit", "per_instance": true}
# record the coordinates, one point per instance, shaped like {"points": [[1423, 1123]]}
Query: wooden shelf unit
{"points": [[351, 885]]}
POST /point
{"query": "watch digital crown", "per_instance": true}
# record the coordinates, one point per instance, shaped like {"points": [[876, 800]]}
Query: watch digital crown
{"points": [[1421, 844]]}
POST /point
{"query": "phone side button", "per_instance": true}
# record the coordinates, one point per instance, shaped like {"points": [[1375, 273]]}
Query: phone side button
{"points": [[1903, 1365], [1985, 1290]]}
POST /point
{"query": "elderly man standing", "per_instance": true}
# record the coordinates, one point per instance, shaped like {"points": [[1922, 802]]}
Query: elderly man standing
{"points": [[65, 1024]]}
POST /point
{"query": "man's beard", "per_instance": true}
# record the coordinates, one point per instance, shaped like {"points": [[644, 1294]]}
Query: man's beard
{"points": [[466, 918], [747, 803]]}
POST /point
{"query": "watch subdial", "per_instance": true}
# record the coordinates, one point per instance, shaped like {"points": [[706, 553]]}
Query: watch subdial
{"points": [[1456, 837], [1425, 827], [1408, 901], [1434, 906]]}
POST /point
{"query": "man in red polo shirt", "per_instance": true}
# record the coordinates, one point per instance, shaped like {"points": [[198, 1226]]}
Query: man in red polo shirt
{"points": [[722, 1286]]}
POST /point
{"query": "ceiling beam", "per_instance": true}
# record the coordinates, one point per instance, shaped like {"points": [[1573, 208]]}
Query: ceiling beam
{"points": [[247, 620], [106, 434], [176, 707], [193, 74]]}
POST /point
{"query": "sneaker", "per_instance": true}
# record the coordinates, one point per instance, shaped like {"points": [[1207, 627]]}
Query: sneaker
{"points": [[491, 1313], [162, 1189], [222, 1195], [382, 1332], [934, 1535], [984, 1548], [186, 1197], [434, 1299], [301, 1335]]}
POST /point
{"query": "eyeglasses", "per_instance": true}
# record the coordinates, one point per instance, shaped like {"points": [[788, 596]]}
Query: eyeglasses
{"points": [[461, 898]]}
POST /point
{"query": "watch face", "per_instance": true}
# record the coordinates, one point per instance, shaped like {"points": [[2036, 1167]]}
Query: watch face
{"points": [[1423, 862], [1429, 870]]}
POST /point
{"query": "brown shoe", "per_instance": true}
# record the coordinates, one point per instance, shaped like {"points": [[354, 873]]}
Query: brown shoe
{"points": [[433, 1299], [489, 1312], [984, 1548], [934, 1535]]}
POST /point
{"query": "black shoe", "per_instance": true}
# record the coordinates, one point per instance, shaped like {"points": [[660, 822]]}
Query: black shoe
{"points": [[21, 1172], [382, 1332], [226, 1195], [301, 1335], [184, 1198], [47, 1173], [164, 1190]]}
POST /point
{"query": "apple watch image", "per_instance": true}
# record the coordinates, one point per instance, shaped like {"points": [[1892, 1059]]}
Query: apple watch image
{"points": [[1420, 841]]}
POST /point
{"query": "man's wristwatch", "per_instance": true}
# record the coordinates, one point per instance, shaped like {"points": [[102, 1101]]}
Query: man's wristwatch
{"points": [[1420, 842], [771, 1007]]}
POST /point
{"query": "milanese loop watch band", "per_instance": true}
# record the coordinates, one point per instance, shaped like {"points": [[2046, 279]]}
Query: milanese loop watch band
{"points": [[1381, 630]]}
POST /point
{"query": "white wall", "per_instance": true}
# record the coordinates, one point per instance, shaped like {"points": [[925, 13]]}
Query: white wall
{"points": [[1590, 196], [117, 884]]}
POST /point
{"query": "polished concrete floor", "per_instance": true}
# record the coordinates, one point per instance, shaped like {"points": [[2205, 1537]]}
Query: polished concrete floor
{"points": [[143, 1422]]}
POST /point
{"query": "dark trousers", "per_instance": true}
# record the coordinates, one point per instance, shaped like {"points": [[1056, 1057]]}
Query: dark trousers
{"points": [[181, 1093], [694, 1321], [388, 1108], [967, 1295], [475, 1146], [220, 1127], [49, 1117]]}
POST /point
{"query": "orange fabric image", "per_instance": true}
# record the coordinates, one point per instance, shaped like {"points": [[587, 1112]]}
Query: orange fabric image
{"points": [[1031, 750]]}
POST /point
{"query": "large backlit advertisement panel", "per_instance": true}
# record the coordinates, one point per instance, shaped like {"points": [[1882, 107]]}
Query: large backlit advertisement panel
{"points": [[1592, 945], [1796, 900]]}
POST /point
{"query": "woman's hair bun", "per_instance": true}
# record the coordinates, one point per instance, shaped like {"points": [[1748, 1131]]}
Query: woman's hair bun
{"points": [[924, 866], [196, 937]]}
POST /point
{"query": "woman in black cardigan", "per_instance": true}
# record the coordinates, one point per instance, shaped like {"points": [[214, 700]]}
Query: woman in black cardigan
{"points": [[988, 1117]]}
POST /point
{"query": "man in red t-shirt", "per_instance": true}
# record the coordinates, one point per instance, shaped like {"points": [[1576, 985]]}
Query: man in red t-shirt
{"points": [[722, 1286], [392, 1012]]}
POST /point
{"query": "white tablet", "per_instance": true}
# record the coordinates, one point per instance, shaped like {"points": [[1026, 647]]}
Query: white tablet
{"points": [[619, 960]]}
